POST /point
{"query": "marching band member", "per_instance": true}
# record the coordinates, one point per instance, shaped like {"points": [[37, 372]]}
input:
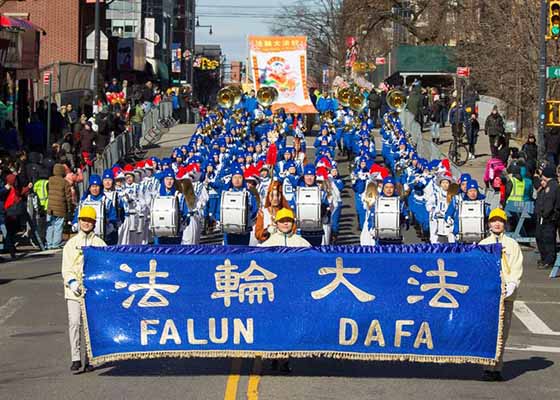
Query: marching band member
{"points": [[388, 190], [289, 183], [360, 177], [266, 216], [168, 189], [264, 181], [309, 179], [112, 196], [437, 206], [93, 196], [131, 192], [192, 225], [337, 188], [470, 193], [237, 184], [149, 188]]}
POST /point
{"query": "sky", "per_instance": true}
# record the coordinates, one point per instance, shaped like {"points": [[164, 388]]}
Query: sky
{"points": [[233, 21]]}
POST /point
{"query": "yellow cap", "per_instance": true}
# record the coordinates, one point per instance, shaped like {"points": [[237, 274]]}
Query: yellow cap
{"points": [[87, 212], [285, 213], [497, 213]]}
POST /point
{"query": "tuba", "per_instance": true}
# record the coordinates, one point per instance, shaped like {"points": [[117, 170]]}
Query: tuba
{"points": [[229, 96], [344, 95], [357, 102], [396, 100], [267, 95]]}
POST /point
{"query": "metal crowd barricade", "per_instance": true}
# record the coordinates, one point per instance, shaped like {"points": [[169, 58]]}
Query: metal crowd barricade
{"points": [[424, 148], [524, 210]]}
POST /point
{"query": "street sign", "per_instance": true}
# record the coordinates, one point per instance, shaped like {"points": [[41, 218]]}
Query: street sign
{"points": [[553, 72], [552, 113], [46, 77], [380, 60], [463, 72]]}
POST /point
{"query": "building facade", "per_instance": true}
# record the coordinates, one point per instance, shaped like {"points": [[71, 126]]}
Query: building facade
{"points": [[61, 21]]}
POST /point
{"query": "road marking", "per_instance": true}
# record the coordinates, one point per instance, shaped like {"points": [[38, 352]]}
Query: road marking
{"points": [[233, 380], [254, 379], [10, 308], [531, 320], [537, 349]]}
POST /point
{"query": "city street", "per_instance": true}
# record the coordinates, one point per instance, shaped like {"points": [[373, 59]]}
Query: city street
{"points": [[35, 351]]}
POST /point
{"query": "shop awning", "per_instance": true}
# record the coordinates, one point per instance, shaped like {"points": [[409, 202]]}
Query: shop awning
{"points": [[11, 22]]}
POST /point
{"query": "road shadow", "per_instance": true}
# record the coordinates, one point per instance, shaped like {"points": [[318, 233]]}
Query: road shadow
{"points": [[516, 368], [320, 367]]}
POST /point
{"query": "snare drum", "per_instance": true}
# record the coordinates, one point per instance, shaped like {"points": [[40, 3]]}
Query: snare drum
{"points": [[308, 206], [387, 218], [234, 212], [165, 221]]}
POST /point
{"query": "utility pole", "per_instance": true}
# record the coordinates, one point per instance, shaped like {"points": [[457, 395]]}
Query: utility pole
{"points": [[97, 49], [542, 78]]}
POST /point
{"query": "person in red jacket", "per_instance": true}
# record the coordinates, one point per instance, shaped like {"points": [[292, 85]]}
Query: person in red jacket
{"points": [[15, 209]]}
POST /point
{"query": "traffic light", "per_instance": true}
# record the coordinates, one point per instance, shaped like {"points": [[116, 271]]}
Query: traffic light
{"points": [[554, 19]]}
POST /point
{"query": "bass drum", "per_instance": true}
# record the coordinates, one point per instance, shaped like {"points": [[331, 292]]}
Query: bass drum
{"points": [[308, 207], [165, 221], [471, 221], [234, 212], [387, 218]]}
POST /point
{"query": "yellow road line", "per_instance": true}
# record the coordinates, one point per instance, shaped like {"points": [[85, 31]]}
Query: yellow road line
{"points": [[233, 380], [254, 379]]}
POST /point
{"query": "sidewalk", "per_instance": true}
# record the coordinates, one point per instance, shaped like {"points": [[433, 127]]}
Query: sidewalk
{"points": [[176, 137], [474, 167]]}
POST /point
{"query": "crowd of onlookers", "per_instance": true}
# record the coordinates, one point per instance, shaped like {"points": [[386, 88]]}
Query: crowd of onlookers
{"points": [[39, 183]]}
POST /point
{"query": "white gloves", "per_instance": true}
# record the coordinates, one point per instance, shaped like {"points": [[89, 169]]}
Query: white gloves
{"points": [[75, 287], [449, 221], [271, 229], [510, 288], [75, 227]]}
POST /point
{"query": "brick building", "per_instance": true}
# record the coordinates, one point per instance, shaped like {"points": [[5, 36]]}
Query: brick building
{"points": [[59, 18]]}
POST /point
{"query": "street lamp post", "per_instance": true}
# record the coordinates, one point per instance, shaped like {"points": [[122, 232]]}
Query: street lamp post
{"points": [[97, 48]]}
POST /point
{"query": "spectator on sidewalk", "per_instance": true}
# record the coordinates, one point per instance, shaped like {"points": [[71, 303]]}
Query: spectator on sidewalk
{"points": [[15, 208], [35, 134], [9, 138], [59, 206], [136, 118], [473, 127], [494, 128], [547, 211], [502, 149], [87, 149], [457, 119], [436, 119], [530, 153]]}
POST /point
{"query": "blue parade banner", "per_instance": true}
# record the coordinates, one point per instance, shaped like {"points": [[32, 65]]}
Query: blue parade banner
{"points": [[426, 303]]}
